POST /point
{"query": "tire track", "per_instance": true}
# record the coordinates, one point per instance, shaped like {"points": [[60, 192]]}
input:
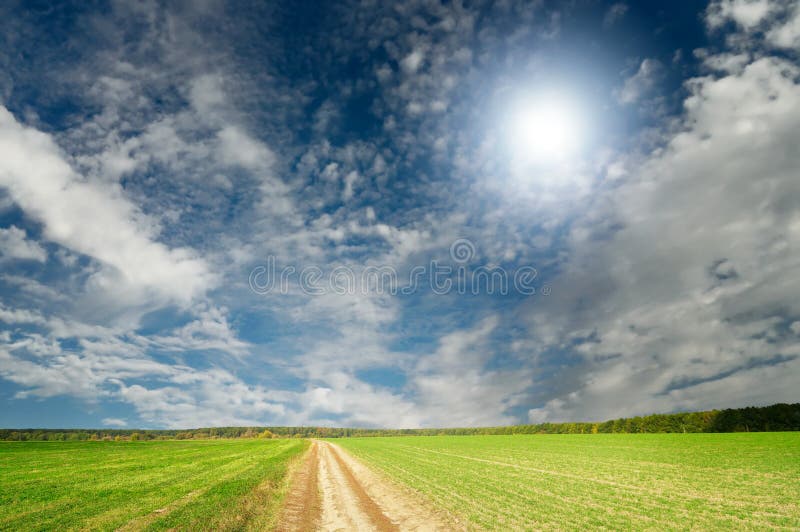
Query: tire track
{"points": [[302, 506], [346, 506], [333, 491]]}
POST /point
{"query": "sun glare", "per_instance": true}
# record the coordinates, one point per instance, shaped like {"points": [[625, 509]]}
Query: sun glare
{"points": [[544, 130]]}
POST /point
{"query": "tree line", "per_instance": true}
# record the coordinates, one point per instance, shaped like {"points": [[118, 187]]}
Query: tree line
{"points": [[777, 417]]}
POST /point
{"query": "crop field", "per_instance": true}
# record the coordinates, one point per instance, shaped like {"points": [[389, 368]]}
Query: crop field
{"points": [[654, 481], [143, 485], [628, 481]]}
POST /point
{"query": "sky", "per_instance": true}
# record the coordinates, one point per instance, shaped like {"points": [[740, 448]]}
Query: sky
{"points": [[396, 214]]}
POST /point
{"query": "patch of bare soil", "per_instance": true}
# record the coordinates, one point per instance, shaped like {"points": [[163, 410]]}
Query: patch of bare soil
{"points": [[302, 506], [334, 491], [405, 509], [351, 508]]}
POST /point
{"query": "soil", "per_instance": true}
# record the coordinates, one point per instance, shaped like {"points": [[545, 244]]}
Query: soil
{"points": [[334, 491]]}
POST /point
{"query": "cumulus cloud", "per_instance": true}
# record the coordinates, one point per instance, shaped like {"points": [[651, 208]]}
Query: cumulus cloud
{"points": [[13, 316], [456, 385], [114, 422], [347, 400], [209, 332], [238, 148], [202, 398], [746, 13], [412, 61], [207, 95], [93, 219], [14, 244], [119, 366], [197, 156], [642, 83], [680, 288], [349, 181], [787, 34], [775, 23]]}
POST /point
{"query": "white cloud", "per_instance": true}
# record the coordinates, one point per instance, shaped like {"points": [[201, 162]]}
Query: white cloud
{"points": [[238, 148], [209, 332], [202, 399], [31, 288], [723, 62], [13, 316], [207, 94], [114, 422], [349, 180], [773, 22], [92, 218], [746, 13], [614, 14], [14, 244], [347, 401], [681, 282], [642, 82], [206, 172], [455, 387], [412, 61], [176, 395], [787, 35]]}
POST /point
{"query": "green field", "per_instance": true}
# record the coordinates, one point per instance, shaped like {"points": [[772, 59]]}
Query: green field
{"points": [[655, 481], [143, 485], [640, 481]]}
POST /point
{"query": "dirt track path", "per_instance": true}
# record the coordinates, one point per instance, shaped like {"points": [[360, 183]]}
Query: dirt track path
{"points": [[331, 490]]}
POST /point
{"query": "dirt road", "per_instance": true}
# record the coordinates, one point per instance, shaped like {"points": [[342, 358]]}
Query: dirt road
{"points": [[333, 491]]}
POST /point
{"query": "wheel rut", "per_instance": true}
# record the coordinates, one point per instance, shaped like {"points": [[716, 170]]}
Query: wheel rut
{"points": [[333, 491]]}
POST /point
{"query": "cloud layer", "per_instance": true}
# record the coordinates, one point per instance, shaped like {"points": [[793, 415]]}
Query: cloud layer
{"points": [[145, 173]]}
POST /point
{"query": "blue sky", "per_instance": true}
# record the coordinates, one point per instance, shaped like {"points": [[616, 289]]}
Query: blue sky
{"points": [[641, 158]]}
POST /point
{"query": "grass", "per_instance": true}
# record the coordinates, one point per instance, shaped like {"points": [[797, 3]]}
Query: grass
{"points": [[188, 485], [618, 481]]}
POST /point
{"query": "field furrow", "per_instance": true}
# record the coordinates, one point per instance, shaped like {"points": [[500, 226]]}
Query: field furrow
{"points": [[141, 485], [745, 481]]}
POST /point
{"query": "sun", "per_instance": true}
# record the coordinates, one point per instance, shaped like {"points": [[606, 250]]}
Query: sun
{"points": [[544, 130]]}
